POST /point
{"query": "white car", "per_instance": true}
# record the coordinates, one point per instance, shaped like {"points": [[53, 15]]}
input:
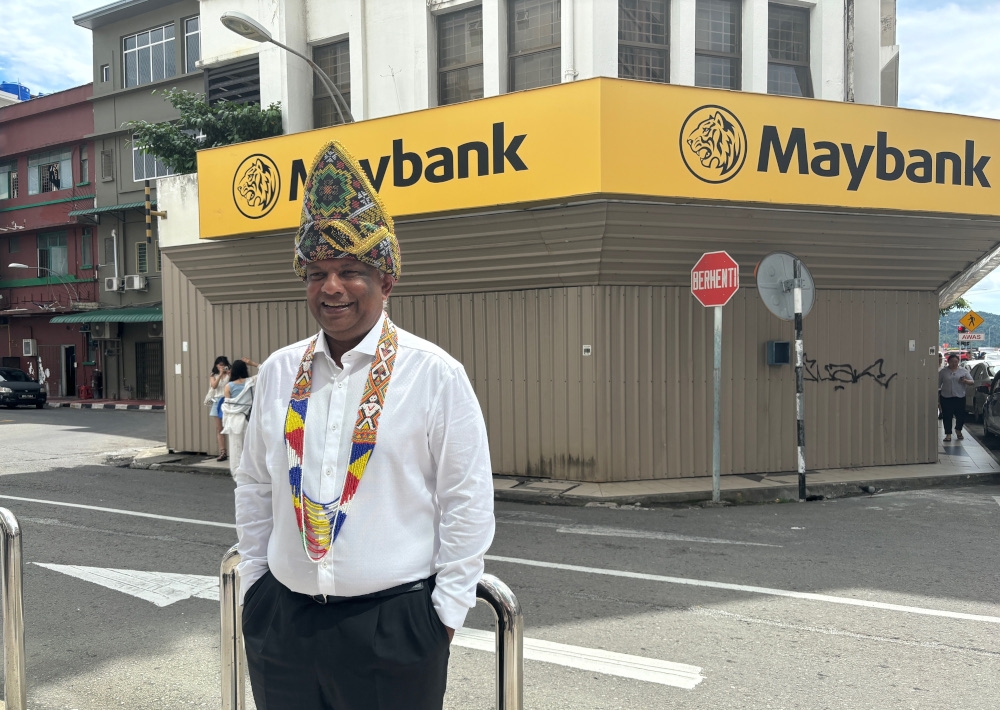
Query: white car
{"points": [[984, 373]]}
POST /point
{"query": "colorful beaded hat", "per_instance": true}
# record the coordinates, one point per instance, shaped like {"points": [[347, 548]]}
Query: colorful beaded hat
{"points": [[343, 216]]}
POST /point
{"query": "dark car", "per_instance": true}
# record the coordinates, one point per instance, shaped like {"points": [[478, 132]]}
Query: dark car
{"points": [[17, 388]]}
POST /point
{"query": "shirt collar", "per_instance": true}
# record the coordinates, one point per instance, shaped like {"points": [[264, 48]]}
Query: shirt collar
{"points": [[367, 346]]}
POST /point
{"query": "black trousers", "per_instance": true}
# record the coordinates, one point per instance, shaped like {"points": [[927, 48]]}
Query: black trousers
{"points": [[953, 407], [388, 653]]}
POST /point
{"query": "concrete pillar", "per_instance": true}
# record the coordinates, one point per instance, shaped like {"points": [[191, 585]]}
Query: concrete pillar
{"points": [[682, 20]]}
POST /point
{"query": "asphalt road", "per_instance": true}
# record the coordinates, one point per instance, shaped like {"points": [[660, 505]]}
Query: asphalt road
{"points": [[883, 602]]}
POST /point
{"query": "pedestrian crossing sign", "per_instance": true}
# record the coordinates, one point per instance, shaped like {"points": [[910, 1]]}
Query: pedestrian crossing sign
{"points": [[971, 320]]}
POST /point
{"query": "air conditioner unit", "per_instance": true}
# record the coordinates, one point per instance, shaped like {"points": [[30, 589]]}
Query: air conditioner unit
{"points": [[29, 347], [155, 330], [135, 283], [103, 331], [114, 283]]}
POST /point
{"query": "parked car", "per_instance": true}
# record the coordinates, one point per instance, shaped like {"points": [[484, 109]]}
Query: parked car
{"points": [[16, 387], [991, 410], [984, 373]]}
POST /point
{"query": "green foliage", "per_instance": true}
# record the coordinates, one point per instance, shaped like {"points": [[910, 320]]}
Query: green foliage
{"points": [[223, 123], [960, 305]]}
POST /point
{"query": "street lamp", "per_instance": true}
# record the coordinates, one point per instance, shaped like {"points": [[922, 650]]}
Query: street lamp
{"points": [[246, 26], [66, 285]]}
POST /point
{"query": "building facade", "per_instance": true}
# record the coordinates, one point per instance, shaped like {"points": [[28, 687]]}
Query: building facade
{"points": [[140, 48], [48, 262], [557, 168]]}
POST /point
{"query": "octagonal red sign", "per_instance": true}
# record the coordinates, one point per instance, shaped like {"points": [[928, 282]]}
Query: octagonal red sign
{"points": [[715, 278]]}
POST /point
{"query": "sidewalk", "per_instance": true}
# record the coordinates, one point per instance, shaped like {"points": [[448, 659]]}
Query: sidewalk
{"points": [[959, 463], [75, 403]]}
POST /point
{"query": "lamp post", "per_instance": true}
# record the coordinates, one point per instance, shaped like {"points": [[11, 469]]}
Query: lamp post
{"points": [[66, 285], [246, 26]]}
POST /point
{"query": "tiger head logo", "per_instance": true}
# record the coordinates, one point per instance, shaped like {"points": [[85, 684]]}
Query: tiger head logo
{"points": [[256, 186], [714, 140]]}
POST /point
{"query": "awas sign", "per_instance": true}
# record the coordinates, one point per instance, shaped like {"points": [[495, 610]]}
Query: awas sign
{"points": [[715, 278]]}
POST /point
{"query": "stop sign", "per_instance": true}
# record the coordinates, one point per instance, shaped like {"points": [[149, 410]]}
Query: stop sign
{"points": [[715, 278]]}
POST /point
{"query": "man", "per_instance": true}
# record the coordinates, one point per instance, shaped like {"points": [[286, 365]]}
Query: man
{"points": [[952, 381], [362, 529]]}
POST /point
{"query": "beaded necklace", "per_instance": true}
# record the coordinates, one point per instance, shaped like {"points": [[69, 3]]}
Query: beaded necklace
{"points": [[320, 523]]}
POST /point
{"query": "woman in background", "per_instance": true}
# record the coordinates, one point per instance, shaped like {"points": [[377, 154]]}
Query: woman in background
{"points": [[217, 382], [236, 410]]}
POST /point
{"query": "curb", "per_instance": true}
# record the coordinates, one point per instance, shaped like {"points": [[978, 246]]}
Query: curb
{"points": [[748, 496], [129, 407]]}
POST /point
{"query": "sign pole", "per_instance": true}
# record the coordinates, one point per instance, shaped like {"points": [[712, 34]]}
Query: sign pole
{"points": [[717, 409], [800, 425]]}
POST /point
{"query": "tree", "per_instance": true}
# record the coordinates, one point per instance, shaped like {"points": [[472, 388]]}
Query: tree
{"points": [[202, 126], [959, 304]]}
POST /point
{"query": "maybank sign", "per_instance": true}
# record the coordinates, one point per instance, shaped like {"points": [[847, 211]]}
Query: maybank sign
{"points": [[621, 138]]}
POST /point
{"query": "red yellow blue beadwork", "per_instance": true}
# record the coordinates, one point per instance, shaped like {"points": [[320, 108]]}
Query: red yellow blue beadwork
{"points": [[320, 523]]}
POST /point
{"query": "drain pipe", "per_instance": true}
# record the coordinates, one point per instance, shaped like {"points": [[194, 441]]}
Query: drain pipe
{"points": [[568, 31]]}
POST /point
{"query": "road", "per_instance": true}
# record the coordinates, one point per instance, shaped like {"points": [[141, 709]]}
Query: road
{"points": [[883, 602]]}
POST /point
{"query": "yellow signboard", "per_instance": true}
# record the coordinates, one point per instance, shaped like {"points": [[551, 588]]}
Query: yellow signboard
{"points": [[622, 138], [971, 321]]}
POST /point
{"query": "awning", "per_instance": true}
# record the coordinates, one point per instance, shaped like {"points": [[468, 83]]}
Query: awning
{"points": [[113, 315], [113, 208]]}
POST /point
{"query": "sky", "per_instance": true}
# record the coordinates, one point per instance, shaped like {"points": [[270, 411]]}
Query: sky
{"points": [[949, 61]]}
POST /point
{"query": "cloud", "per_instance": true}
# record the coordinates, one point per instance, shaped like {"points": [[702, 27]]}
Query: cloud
{"points": [[42, 48], [949, 56]]}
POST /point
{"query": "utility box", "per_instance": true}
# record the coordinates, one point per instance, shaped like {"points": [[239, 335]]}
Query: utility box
{"points": [[779, 352]]}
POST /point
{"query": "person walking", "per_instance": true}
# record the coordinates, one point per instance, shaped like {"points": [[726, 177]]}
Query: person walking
{"points": [[217, 382], [236, 408], [364, 496], [952, 382]]}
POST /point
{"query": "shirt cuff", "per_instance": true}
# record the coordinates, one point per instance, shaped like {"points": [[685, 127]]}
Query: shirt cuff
{"points": [[451, 612], [249, 573]]}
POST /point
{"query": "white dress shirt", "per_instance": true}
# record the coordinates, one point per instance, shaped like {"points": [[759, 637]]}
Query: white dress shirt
{"points": [[425, 503]]}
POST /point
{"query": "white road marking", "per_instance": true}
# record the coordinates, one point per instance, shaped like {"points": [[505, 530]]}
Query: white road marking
{"points": [[701, 611], [602, 531], [160, 588], [997, 499], [166, 588], [747, 588], [651, 670], [122, 512]]}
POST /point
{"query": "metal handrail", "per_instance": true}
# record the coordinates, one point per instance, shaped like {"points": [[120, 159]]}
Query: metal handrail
{"points": [[12, 589], [509, 639], [497, 595], [233, 693]]}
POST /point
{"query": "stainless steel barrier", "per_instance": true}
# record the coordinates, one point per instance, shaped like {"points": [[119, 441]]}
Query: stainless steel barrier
{"points": [[496, 594], [233, 693], [510, 640], [11, 587]]}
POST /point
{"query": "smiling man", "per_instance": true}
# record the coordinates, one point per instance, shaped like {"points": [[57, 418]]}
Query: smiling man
{"points": [[364, 499]]}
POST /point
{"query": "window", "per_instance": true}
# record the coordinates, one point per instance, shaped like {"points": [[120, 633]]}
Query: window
{"points": [[159, 260], [53, 257], [788, 51], [643, 40], [140, 258], [48, 172], [460, 56], [717, 44], [107, 165], [109, 250], [534, 36], [335, 60], [238, 82], [84, 164], [192, 43], [149, 56], [13, 244], [87, 247], [146, 166], [8, 181], [105, 73]]}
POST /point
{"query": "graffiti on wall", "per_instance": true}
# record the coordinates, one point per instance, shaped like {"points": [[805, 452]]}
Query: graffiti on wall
{"points": [[846, 374]]}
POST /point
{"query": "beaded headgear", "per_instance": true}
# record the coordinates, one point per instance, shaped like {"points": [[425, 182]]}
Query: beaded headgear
{"points": [[343, 216]]}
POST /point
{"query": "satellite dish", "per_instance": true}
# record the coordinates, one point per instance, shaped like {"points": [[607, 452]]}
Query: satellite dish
{"points": [[775, 281]]}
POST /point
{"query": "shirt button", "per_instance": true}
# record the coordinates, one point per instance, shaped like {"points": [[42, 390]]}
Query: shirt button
{"points": [[328, 473], [324, 564], [341, 385], [334, 427]]}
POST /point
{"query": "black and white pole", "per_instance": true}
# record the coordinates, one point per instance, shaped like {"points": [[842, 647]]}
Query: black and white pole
{"points": [[717, 408], [800, 425]]}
